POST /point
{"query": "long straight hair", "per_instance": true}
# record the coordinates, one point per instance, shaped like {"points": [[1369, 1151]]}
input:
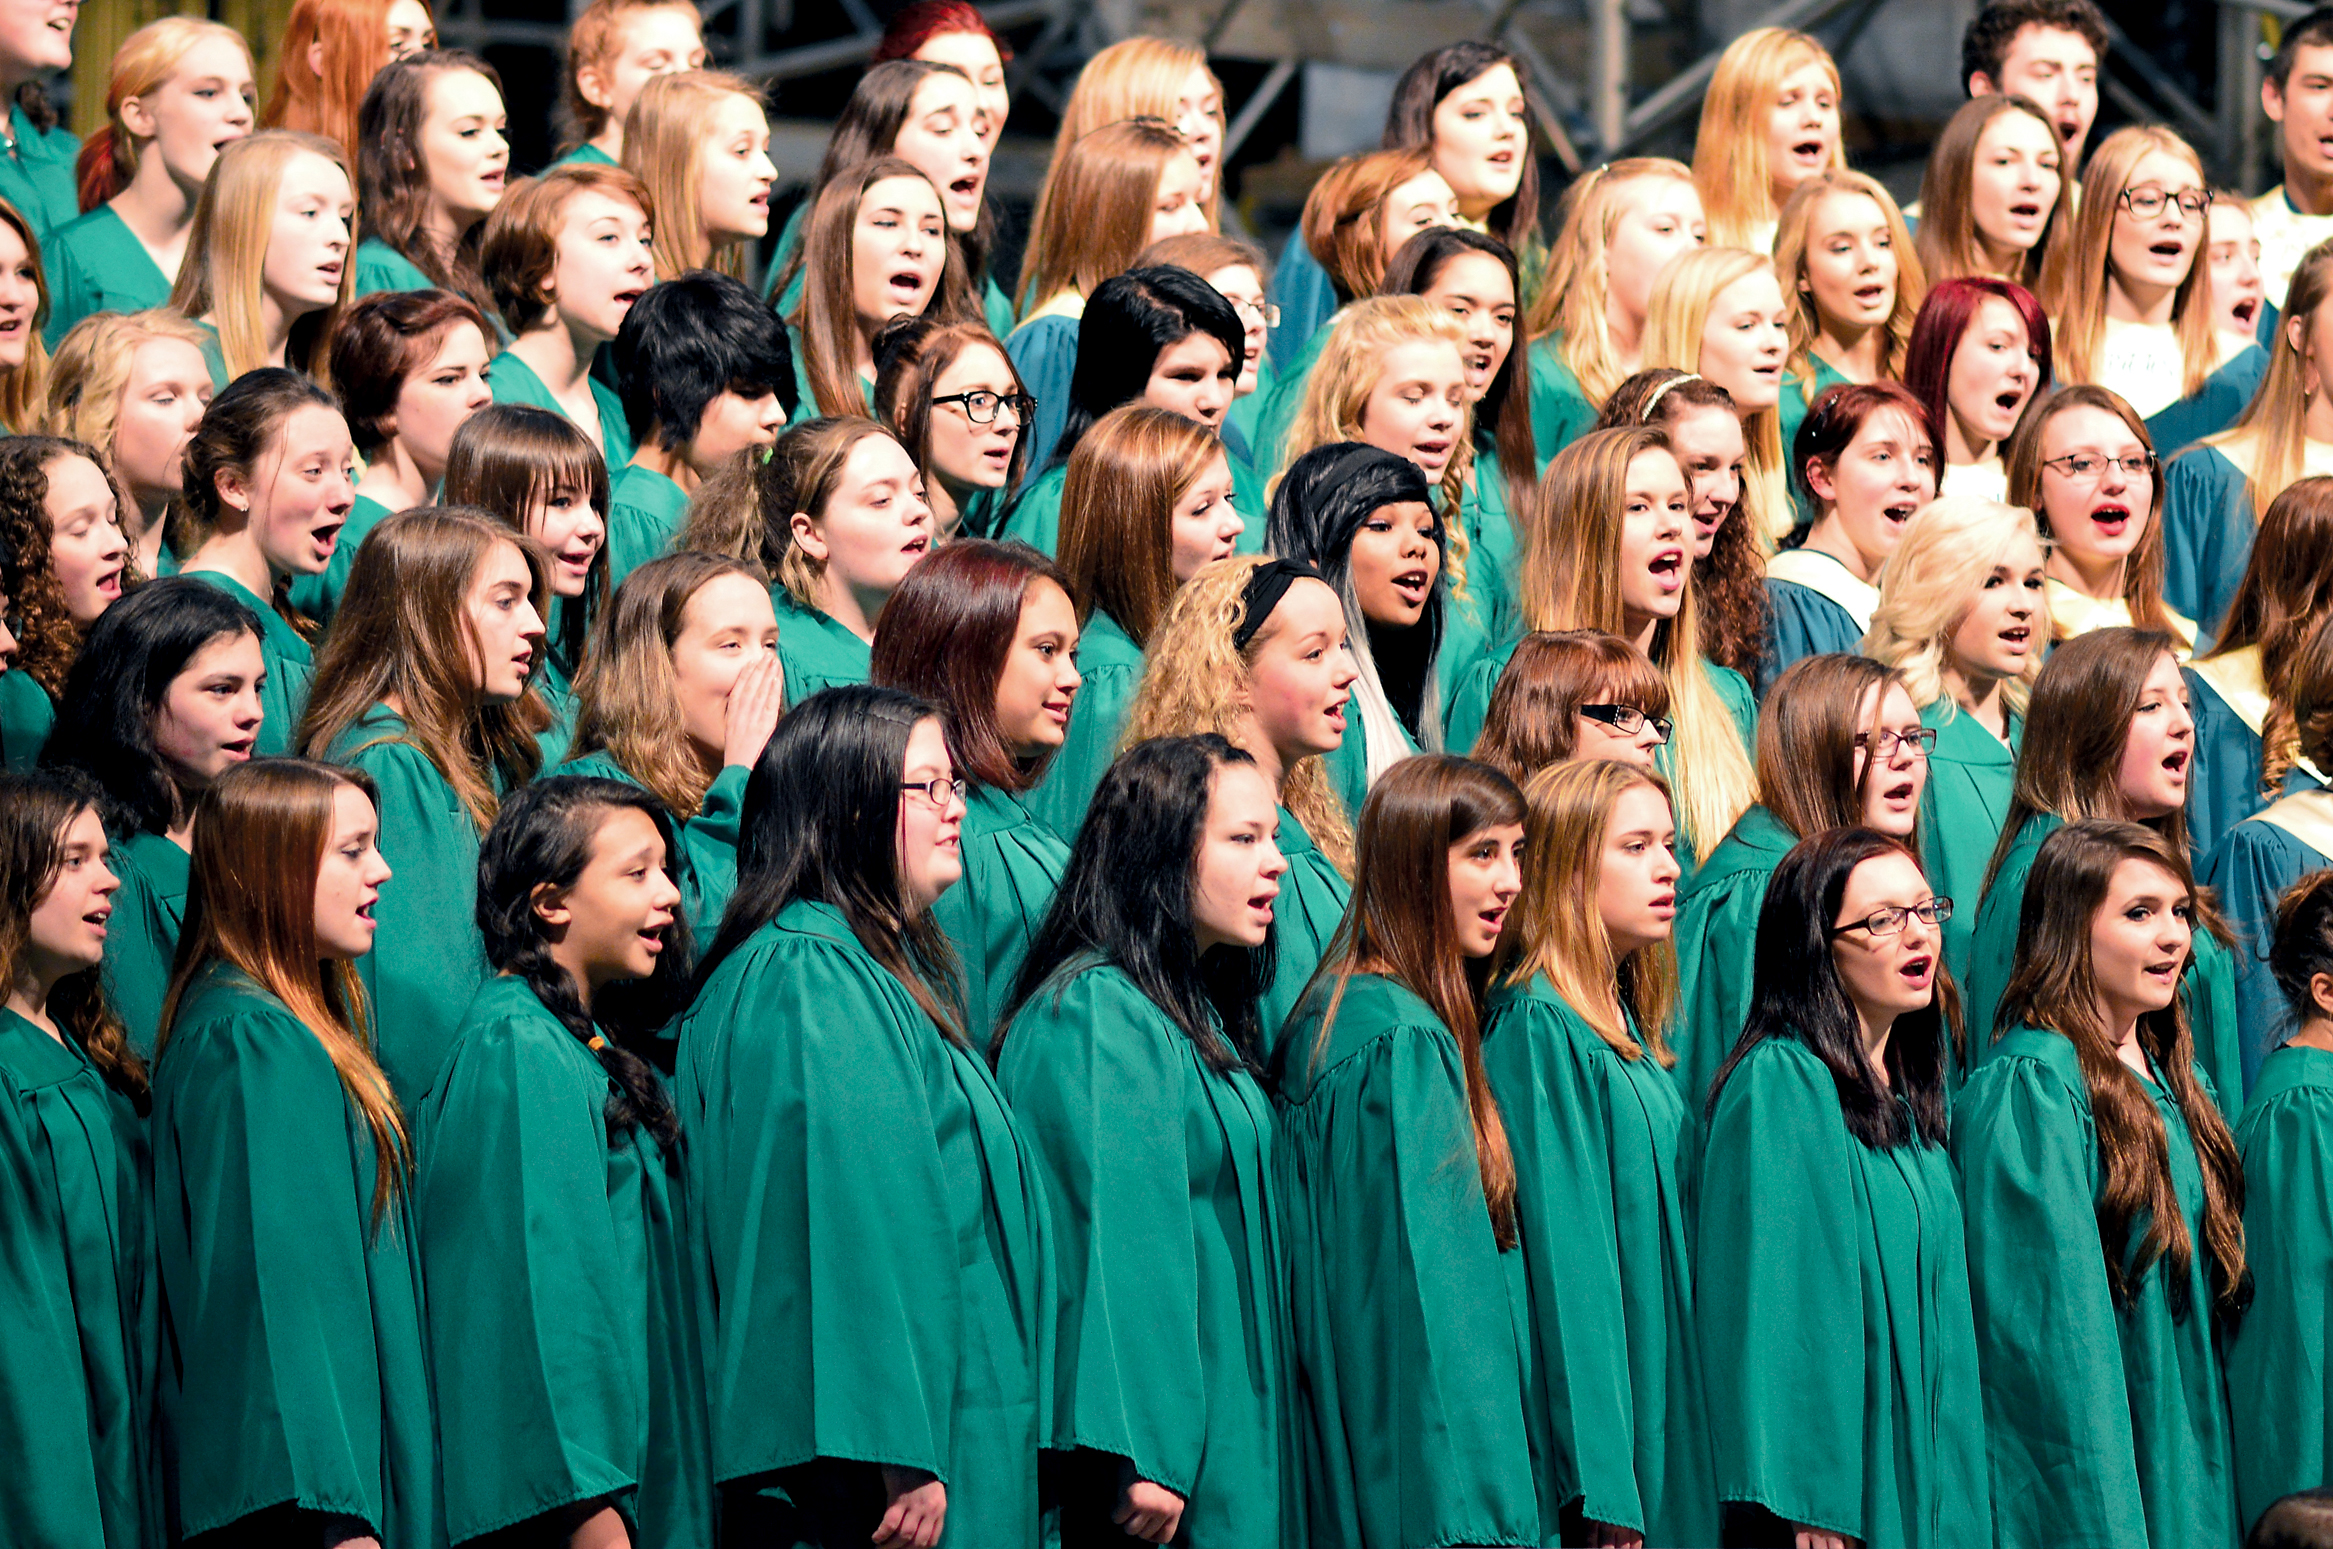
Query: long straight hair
{"points": [[1570, 582], [1117, 512], [1792, 238], [35, 810], [1730, 162], [2286, 593], [663, 135], [828, 316], [627, 700], [1949, 245], [1130, 320], [508, 456], [2274, 423], [1675, 317], [354, 38], [2053, 986], [1093, 214], [1795, 993], [1571, 301], [1410, 122], [1140, 77], [2073, 286], [2142, 573], [393, 171], [402, 630], [226, 252], [260, 834], [822, 823], [1555, 930], [1125, 899], [1944, 320], [1807, 730], [1502, 416], [1399, 925], [24, 392]]}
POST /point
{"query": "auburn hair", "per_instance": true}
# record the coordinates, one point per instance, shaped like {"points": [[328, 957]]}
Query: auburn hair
{"points": [[146, 60], [1118, 502]]}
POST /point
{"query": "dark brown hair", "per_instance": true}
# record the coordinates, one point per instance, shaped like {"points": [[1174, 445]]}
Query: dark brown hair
{"points": [[47, 638], [35, 810], [1504, 414], [393, 177], [381, 340], [509, 455], [1806, 741], [1533, 712], [2287, 591]]}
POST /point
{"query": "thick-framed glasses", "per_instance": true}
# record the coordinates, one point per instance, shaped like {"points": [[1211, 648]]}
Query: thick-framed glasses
{"points": [[980, 406], [1882, 744], [2086, 466], [1628, 720], [1252, 312], [2146, 201], [936, 791], [1890, 922]]}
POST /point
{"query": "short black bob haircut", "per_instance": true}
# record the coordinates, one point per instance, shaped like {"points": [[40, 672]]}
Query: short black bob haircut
{"points": [[1128, 320], [688, 341]]}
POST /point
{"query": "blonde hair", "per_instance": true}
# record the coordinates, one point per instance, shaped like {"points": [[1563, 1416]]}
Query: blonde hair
{"points": [[226, 252], [1675, 318], [1195, 680], [2074, 281], [24, 391], [2276, 420], [92, 366], [146, 60], [1730, 164], [1137, 78], [1093, 213], [1570, 582], [1572, 298], [663, 135], [1950, 548], [1347, 373], [1806, 323], [1558, 934]]}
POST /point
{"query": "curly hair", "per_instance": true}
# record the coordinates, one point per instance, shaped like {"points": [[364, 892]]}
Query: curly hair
{"points": [[1950, 550], [47, 639], [1195, 682]]}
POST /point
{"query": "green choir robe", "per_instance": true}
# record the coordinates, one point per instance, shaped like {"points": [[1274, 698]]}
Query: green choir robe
{"points": [[814, 650], [1043, 351], [2230, 706], [381, 267], [26, 714], [645, 512], [1404, 1310], [1012, 864], [1313, 895], [1614, 1403], [705, 871], [1171, 1330], [295, 1314], [214, 354], [1802, 622], [1799, 393], [427, 958], [2207, 533], [1348, 762], [37, 175], [1111, 664], [79, 1365], [142, 937], [553, 680], [1268, 435], [1034, 516], [1305, 295], [318, 595], [2211, 408], [1962, 808], [2209, 980], [289, 661], [586, 154], [567, 1346], [514, 381], [2249, 870], [1716, 932], [1831, 1292], [96, 264], [2277, 1373], [2109, 1426], [1494, 569], [1560, 410], [880, 1270]]}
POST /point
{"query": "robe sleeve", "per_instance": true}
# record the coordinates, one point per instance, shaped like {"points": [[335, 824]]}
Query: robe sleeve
{"points": [[1044, 352], [1097, 1086], [280, 1388], [1560, 411], [2209, 983], [531, 1362], [1780, 1257], [2277, 1372], [141, 940], [2207, 535], [991, 914], [1717, 925], [1471, 701], [709, 840], [2250, 869], [2057, 1415]]}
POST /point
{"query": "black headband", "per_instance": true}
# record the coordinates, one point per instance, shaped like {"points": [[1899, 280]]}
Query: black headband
{"points": [[1267, 584]]}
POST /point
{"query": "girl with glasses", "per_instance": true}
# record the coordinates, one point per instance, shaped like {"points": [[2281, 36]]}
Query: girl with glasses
{"points": [[1830, 1284], [2104, 1202], [911, 1406], [2083, 463], [1840, 745], [1570, 695], [951, 394], [1963, 618]]}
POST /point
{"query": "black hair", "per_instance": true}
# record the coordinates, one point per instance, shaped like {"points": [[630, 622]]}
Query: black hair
{"points": [[1129, 319], [544, 835], [688, 341], [1320, 506], [1409, 122], [821, 821], [1125, 899], [2314, 30], [105, 717], [1795, 993], [2303, 947], [2301, 1520], [1984, 46], [1502, 419]]}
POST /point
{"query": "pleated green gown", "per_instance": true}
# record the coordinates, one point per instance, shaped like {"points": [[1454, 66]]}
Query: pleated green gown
{"points": [[2277, 1373], [1716, 933], [78, 1361], [1172, 1341], [1404, 1310], [1831, 1291], [142, 937], [1313, 896], [1615, 1399], [876, 1230], [566, 1338], [2108, 1425], [1112, 665], [1962, 807], [295, 1315], [1012, 864]]}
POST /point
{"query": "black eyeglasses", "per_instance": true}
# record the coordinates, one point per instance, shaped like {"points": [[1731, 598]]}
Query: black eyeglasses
{"points": [[980, 405], [936, 791], [2147, 201], [1889, 922], [1628, 720], [1882, 744]]}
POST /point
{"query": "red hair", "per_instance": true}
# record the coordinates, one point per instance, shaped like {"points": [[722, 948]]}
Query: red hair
{"points": [[924, 20], [1936, 333], [1838, 415]]}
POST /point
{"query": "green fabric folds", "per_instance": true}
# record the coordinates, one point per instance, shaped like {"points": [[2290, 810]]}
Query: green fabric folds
{"points": [[26, 714], [1715, 933], [645, 512], [814, 650], [1012, 864], [1112, 666], [142, 937], [1962, 808], [1313, 895]]}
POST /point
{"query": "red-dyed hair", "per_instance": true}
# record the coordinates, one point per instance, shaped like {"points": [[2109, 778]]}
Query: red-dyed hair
{"points": [[924, 20], [1838, 415], [1951, 306]]}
